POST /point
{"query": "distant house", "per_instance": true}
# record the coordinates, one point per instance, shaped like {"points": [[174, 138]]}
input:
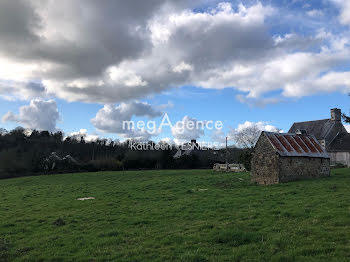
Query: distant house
{"points": [[339, 150], [187, 149], [54, 162], [279, 158], [331, 134]]}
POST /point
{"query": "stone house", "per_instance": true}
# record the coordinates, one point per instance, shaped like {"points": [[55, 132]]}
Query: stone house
{"points": [[339, 150], [279, 158], [54, 162], [331, 134]]}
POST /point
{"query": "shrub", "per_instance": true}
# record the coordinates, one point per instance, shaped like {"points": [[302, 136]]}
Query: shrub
{"points": [[245, 158], [109, 164]]}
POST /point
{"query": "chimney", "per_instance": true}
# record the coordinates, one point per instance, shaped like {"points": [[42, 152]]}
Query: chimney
{"points": [[336, 114]]}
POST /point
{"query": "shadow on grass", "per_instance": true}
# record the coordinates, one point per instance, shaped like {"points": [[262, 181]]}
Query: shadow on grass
{"points": [[235, 237], [4, 250]]}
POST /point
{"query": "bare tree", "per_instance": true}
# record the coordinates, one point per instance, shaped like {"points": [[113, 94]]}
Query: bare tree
{"points": [[247, 137], [3, 132], [346, 118]]}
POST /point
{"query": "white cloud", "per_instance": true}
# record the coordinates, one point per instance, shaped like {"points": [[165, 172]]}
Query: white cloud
{"points": [[83, 133], [123, 50], [184, 132], [261, 102], [110, 119], [167, 140], [39, 115], [347, 127], [119, 51], [220, 137], [289, 73], [314, 13], [332, 81], [262, 126], [125, 77], [182, 67], [11, 90], [247, 134], [344, 10]]}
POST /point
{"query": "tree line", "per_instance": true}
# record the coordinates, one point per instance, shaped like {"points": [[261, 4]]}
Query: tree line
{"points": [[23, 153]]}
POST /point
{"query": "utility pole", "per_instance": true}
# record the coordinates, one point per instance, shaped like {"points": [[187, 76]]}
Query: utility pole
{"points": [[226, 157]]}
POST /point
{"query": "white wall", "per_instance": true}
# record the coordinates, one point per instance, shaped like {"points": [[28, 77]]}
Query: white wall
{"points": [[340, 157]]}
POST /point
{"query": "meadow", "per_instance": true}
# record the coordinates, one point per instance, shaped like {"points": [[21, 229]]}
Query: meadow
{"points": [[174, 215]]}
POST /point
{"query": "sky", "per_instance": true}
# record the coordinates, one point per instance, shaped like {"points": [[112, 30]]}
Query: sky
{"points": [[83, 67]]}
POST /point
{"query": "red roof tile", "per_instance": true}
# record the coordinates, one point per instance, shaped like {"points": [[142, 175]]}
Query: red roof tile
{"points": [[296, 145], [284, 142], [301, 144], [309, 144]]}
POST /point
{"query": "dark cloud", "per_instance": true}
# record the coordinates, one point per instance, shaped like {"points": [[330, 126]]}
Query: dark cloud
{"points": [[24, 90], [113, 51], [18, 22], [81, 38]]}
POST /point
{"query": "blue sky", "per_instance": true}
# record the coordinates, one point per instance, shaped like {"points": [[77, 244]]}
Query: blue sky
{"points": [[203, 104], [270, 63]]}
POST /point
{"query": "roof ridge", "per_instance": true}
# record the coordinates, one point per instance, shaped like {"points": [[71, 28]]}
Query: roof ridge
{"points": [[330, 143], [290, 134], [328, 119]]}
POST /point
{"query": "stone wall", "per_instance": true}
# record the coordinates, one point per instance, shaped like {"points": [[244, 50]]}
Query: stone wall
{"points": [[268, 167], [265, 168], [296, 168]]}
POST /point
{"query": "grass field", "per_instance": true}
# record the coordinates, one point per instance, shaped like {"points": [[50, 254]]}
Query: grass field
{"points": [[191, 215]]}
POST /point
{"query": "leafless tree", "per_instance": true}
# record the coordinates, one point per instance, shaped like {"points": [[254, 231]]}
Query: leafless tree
{"points": [[247, 137], [346, 117], [3, 132]]}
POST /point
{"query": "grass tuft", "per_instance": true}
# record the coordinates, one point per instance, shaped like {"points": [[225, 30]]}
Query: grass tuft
{"points": [[4, 250], [235, 237], [59, 222]]}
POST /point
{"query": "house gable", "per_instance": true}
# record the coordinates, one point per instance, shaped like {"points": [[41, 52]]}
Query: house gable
{"points": [[324, 130], [265, 168]]}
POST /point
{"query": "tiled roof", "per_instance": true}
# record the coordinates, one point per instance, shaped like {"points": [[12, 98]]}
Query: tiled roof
{"points": [[340, 143], [319, 128], [296, 145]]}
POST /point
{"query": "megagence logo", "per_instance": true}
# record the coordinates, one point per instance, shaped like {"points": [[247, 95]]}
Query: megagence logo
{"points": [[152, 128], [160, 146]]}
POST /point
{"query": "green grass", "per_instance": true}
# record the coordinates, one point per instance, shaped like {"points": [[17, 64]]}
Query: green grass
{"points": [[191, 215]]}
